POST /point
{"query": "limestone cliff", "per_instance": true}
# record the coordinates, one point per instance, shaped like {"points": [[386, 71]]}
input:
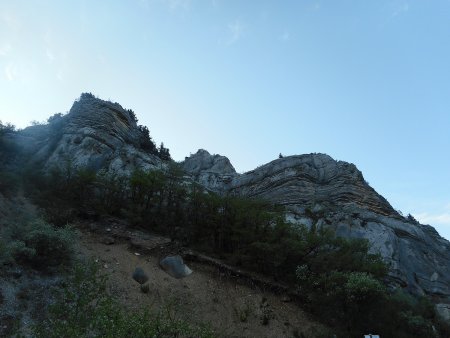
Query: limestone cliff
{"points": [[316, 189]]}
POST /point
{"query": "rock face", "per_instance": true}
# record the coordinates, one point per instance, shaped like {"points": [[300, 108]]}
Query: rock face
{"points": [[315, 189], [96, 134]]}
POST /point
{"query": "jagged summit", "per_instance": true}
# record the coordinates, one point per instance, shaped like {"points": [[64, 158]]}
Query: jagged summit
{"points": [[202, 160]]}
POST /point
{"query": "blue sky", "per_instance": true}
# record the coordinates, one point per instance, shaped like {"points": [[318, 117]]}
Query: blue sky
{"points": [[366, 82]]}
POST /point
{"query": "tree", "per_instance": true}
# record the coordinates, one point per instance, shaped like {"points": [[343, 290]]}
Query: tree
{"points": [[145, 141], [132, 115], [85, 96], [163, 153], [8, 148]]}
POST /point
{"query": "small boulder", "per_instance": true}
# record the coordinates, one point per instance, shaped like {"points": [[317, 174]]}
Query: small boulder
{"points": [[140, 276], [175, 267]]}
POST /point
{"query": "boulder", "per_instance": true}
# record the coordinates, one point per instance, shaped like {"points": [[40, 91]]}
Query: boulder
{"points": [[140, 276], [175, 267]]}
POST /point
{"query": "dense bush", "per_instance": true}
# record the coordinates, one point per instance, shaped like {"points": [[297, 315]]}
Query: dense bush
{"points": [[6, 146], [9, 152], [9, 182], [5, 252], [37, 244], [85, 309], [356, 303]]}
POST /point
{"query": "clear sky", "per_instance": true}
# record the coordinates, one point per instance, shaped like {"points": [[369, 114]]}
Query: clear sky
{"points": [[367, 82]]}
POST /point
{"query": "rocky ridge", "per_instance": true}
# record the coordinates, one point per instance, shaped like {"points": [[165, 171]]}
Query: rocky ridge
{"points": [[315, 189]]}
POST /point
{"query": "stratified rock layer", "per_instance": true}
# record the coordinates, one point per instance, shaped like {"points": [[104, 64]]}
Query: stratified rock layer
{"points": [[315, 189], [96, 134]]}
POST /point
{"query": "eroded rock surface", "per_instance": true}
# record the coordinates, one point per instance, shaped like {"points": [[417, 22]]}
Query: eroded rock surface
{"points": [[96, 134]]}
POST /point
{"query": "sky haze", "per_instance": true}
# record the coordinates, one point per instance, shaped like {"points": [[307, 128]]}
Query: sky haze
{"points": [[366, 82]]}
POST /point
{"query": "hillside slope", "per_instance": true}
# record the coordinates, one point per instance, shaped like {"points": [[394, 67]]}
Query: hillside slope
{"points": [[314, 188]]}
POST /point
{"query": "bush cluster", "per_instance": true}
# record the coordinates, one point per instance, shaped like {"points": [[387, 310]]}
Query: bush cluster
{"points": [[36, 244]]}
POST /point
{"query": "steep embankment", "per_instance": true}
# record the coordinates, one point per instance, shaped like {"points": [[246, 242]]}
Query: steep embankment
{"points": [[315, 189], [232, 308]]}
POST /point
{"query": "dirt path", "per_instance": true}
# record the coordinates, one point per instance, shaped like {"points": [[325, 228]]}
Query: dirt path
{"points": [[206, 296]]}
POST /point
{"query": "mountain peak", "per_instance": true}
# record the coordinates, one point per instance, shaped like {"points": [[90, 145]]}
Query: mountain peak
{"points": [[96, 134], [203, 161]]}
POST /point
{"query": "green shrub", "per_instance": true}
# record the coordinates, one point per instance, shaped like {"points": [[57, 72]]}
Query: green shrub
{"points": [[416, 325], [40, 244], [362, 289], [355, 303], [20, 252], [5, 252], [9, 183]]}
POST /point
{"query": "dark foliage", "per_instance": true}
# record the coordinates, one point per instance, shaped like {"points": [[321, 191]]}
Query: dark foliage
{"points": [[9, 153], [146, 143], [132, 115], [163, 153], [8, 149], [86, 96]]}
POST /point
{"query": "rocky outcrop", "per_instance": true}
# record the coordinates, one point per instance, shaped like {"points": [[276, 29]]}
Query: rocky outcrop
{"points": [[214, 172], [315, 189], [297, 181], [96, 134]]}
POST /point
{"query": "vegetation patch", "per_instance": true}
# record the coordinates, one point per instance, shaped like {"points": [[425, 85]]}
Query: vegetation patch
{"points": [[85, 309]]}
